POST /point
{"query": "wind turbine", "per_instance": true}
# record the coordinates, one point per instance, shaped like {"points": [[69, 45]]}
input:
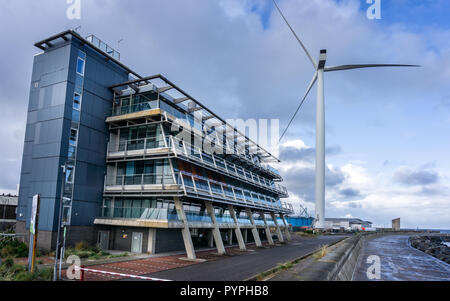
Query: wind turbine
{"points": [[320, 69]]}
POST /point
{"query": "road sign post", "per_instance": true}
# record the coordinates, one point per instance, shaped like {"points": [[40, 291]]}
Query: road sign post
{"points": [[34, 223]]}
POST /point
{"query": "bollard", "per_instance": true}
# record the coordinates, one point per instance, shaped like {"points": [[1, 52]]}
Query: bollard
{"points": [[82, 273]]}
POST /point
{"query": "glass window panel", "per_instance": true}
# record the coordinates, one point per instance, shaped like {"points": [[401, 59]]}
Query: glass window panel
{"points": [[66, 214], [73, 137], [69, 174], [80, 66], [71, 153], [77, 101]]}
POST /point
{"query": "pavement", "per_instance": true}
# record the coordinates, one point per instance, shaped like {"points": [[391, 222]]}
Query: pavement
{"points": [[314, 268], [243, 265], [399, 261]]}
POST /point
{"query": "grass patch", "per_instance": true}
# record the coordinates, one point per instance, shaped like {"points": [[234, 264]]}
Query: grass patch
{"points": [[84, 251], [321, 253], [16, 272], [279, 268]]}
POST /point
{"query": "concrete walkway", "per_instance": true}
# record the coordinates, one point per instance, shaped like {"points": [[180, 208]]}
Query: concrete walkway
{"points": [[247, 264], [399, 261]]}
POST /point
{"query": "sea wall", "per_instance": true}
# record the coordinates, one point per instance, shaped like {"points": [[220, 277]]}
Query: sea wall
{"points": [[433, 245]]}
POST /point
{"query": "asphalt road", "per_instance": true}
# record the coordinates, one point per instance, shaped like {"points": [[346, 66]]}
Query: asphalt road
{"points": [[238, 268], [399, 261]]}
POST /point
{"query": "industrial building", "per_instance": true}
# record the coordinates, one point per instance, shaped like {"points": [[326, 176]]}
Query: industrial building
{"points": [[8, 208], [347, 224], [130, 182]]}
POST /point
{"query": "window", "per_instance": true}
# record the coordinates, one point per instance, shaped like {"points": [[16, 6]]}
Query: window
{"points": [[80, 66], [77, 101], [66, 214], [73, 137], [69, 174], [71, 153]]}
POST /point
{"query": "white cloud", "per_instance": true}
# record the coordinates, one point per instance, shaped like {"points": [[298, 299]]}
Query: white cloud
{"points": [[219, 52]]}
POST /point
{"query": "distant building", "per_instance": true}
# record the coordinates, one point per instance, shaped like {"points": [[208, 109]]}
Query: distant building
{"points": [[347, 224], [396, 224], [300, 221], [8, 208]]}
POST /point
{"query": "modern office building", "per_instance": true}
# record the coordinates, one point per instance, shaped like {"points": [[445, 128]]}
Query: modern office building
{"points": [[134, 180]]}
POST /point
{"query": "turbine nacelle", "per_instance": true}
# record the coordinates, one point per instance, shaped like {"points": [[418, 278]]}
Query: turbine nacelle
{"points": [[322, 59]]}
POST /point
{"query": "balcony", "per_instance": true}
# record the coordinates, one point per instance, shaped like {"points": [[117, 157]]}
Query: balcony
{"points": [[201, 187], [139, 107], [183, 149], [168, 218], [186, 120], [185, 184], [137, 147], [158, 146], [158, 184]]}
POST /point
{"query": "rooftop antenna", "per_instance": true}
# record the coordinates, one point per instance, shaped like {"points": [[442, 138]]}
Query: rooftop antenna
{"points": [[319, 70], [118, 43]]}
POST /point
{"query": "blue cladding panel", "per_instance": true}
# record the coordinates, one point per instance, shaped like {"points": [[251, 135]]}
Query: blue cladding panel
{"points": [[300, 221], [48, 130]]}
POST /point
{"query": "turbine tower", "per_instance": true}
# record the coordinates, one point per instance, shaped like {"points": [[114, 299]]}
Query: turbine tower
{"points": [[320, 70]]}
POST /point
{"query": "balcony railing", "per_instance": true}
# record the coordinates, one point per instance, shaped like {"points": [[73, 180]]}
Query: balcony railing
{"points": [[241, 153], [184, 183], [203, 186], [162, 214], [139, 213], [138, 144], [138, 107], [182, 148], [143, 179]]}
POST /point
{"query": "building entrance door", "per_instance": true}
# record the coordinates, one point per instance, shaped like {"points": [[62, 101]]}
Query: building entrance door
{"points": [[103, 240], [136, 242]]}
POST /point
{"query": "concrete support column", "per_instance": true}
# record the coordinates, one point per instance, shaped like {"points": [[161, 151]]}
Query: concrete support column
{"points": [[286, 227], [280, 235], [185, 230], [230, 236], [216, 232], [267, 228], [210, 238], [238, 229], [245, 233], [254, 230], [151, 245]]}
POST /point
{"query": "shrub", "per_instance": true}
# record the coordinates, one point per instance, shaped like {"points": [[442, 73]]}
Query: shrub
{"points": [[7, 251], [81, 246], [95, 250], [24, 276], [83, 254], [43, 274], [22, 250], [9, 262], [14, 248]]}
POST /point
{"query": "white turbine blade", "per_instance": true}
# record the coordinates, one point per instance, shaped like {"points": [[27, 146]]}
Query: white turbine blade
{"points": [[349, 67], [298, 39], [313, 81]]}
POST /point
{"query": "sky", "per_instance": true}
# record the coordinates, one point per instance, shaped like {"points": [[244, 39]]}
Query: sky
{"points": [[387, 130]]}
